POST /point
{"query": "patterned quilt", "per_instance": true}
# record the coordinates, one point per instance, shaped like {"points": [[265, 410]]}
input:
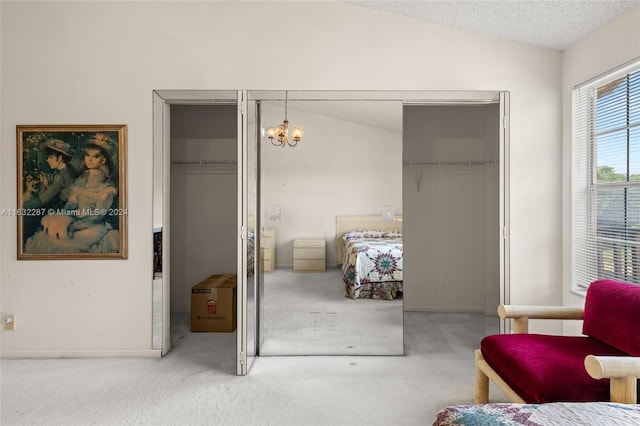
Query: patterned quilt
{"points": [[556, 413], [372, 264], [251, 243]]}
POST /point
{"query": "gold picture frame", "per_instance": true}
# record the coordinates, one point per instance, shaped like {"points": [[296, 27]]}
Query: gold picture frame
{"points": [[72, 198]]}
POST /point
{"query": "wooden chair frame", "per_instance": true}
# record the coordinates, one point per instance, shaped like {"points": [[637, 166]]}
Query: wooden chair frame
{"points": [[623, 372]]}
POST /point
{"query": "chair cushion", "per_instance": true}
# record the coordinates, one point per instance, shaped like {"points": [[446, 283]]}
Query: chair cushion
{"points": [[545, 368], [611, 314]]}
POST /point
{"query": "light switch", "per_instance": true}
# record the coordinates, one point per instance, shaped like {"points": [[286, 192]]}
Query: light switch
{"points": [[9, 322], [387, 212], [274, 213]]}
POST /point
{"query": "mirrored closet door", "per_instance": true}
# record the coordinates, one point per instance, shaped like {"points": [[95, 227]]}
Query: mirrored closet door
{"points": [[324, 295], [347, 178]]}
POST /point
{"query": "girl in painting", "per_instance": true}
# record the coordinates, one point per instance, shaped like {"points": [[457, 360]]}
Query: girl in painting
{"points": [[82, 227]]}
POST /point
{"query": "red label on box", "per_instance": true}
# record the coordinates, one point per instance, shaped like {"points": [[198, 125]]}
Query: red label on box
{"points": [[212, 307]]}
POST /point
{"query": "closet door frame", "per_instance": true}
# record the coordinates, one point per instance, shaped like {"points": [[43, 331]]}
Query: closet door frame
{"points": [[480, 98], [161, 307], [162, 99], [435, 97], [504, 212]]}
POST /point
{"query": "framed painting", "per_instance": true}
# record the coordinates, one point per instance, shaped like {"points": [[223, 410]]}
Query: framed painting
{"points": [[72, 198]]}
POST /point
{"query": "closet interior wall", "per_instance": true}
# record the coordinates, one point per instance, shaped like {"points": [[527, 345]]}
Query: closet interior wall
{"points": [[203, 196], [451, 205]]}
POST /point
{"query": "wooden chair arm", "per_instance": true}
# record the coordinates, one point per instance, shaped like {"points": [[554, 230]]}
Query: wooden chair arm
{"points": [[622, 371], [607, 367], [522, 313]]}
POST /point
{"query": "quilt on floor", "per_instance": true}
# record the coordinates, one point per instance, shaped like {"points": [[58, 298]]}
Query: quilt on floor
{"points": [[556, 413]]}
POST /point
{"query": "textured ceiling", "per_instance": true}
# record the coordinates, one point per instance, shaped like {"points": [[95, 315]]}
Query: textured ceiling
{"points": [[554, 24]]}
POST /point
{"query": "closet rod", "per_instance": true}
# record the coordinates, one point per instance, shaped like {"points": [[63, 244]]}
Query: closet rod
{"points": [[205, 163], [448, 163]]}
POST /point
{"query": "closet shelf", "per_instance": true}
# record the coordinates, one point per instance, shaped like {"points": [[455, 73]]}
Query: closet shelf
{"points": [[204, 167], [444, 163], [449, 163], [204, 162]]}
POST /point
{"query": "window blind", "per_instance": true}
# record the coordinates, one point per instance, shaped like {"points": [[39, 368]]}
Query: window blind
{"points": [[606, 178]]}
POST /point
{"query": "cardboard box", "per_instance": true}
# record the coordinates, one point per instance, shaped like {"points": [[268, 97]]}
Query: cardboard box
{"points": [[213, 304]]}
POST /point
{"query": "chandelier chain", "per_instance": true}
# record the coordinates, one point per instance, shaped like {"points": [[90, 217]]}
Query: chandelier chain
{"points": [[279, 136]]}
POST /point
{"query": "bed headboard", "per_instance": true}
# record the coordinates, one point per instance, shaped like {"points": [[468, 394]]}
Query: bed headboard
{"points": [[348, 223]]}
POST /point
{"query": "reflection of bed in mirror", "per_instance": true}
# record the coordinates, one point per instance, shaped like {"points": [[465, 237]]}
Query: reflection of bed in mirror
{"points": [[267, 247], [369, 252], [251, 243]]}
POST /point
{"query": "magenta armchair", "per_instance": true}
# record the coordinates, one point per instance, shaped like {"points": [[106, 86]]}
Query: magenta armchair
{"points": [[601, 365]]}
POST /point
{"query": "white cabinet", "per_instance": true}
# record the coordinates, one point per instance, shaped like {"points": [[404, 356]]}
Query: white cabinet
{"points": [[309, 255], [268, 250]]}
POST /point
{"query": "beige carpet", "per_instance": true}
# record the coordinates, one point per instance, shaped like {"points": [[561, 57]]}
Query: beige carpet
{"points": [[195, 384], [306, 313]]}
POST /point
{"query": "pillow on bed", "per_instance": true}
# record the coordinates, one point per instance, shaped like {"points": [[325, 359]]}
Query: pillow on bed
{"points": [[371, 234]]}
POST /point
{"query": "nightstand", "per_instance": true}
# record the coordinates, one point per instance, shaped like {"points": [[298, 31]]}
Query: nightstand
{"points": [[309, 255], [268, 250]]}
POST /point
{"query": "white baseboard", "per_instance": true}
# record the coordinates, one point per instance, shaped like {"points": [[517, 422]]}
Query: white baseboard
{"points": [[88, 353]]}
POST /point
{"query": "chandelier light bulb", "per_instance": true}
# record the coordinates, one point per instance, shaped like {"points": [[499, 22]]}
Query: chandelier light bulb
{"points": [[271, 132], [297, 133]]}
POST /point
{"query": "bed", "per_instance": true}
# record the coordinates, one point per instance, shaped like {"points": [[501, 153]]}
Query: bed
{"points": [[555, 413], [369, 252]]}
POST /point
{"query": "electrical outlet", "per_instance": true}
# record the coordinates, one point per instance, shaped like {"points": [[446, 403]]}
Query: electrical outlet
{"points": [[9, 322]]}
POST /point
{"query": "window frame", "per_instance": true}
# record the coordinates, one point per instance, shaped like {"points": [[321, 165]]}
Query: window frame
{"points": [[588, 243]]}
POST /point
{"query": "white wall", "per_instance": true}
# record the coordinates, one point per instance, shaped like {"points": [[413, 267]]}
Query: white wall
{"points": [[98, 62], [613, 44]]}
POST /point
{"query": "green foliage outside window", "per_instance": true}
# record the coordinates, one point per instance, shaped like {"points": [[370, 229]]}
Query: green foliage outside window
{"points": [[608, 174]]}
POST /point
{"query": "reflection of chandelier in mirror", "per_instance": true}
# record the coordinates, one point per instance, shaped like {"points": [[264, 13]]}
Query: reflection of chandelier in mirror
{"points": [[279, 136]]}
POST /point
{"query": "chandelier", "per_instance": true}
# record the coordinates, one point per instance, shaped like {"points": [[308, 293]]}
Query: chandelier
{"points": [[279, 136]]}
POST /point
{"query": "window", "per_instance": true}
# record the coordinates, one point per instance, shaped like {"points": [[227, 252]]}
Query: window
{"points": [[606, 178]]}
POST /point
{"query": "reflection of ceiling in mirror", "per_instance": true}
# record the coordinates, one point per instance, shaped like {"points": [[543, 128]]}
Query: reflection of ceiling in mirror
{"points": [[386, 115], [382, 110]]}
